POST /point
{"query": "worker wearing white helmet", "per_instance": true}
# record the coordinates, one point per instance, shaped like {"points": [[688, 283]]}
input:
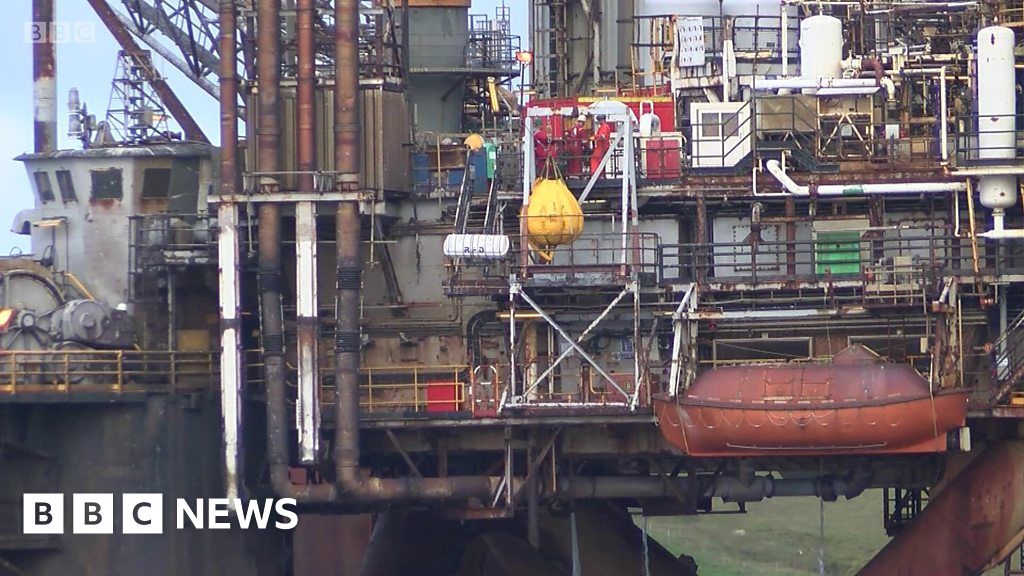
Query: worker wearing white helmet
{"points": [[576, 147]]}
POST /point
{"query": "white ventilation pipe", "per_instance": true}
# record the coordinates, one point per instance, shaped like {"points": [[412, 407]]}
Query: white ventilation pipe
{"points": [[775, 168], [998, 232], [771, 84]]}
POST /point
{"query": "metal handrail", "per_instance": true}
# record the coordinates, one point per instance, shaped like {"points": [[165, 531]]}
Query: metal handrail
{"points": [[932, 256], [406, 388], [116, 371]]}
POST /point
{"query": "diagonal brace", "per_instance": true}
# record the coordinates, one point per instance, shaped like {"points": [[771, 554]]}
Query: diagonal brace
{"points": [[547, 318], [579, 340]]}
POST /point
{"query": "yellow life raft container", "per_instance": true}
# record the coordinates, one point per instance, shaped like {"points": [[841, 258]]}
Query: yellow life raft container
{"points": [[553, 217]]}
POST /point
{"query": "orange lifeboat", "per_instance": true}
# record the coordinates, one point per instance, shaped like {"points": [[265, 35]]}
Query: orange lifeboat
{"points": [[853, 405]]}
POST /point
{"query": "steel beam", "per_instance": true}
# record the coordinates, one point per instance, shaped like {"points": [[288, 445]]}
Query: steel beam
{"points": [[966, 528]]}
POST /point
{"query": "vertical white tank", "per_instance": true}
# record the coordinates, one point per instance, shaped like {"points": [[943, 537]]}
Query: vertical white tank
{"points": [[997, 138], [821, 47]]}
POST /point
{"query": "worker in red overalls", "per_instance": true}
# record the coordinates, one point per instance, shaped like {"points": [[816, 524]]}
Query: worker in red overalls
{"points": [[541, 149], [576, 147], [602, 139]]}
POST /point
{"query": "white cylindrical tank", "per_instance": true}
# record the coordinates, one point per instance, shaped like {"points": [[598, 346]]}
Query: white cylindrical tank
{"points": [[997, 125], [476, 246], [650, 125], [821, 47]]}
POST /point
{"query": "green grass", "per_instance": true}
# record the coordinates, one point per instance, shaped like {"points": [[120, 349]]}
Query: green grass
{"points": [[778, 537]]}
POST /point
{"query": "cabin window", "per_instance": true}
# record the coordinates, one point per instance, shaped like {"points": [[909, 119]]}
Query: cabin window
{"points": [[44, 186], [156, 182], [731, 124], [107, 184], [748, 350], [66, 186], [710, 124]]}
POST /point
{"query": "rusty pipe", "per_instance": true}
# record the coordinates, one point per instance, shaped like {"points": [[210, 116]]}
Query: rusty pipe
{"points": [[268, 69], [352, 487], [270, 282], [228, 98], [346, 91], [44, 77], [230, 313], [306, 113]]}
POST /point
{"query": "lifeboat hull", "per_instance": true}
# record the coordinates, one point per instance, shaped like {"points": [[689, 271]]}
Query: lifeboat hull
{"points": [[853, 404], [904, 426]]}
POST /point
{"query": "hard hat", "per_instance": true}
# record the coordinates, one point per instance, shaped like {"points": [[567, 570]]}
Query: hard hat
{"points": [[474, 141]]}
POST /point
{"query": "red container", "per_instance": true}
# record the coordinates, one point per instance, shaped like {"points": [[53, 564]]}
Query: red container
{"points": [[661, 158], [443, 396]]}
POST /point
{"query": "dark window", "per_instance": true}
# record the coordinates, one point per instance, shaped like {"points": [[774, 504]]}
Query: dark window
{"points": [[44, 186], [106, 184], [156, 182], [711, 124], [732, 125], [66, 186]]}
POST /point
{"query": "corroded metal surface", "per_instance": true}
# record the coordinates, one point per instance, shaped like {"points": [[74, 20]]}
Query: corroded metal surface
{"points": [[850, 406], [968, 526]]}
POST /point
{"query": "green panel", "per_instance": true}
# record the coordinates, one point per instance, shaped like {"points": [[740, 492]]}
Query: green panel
{"points": [[837, 252]]}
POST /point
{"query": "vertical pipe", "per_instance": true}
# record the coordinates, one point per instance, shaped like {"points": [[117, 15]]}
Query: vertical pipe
{"points": [[268, 47], [346, 91], [44, 77], [532, 505], [784, 41], [346, 164], [230, 343], [229, 293], [306, 114], [307, 405], [268, 44], [307, 402], [944, 121], [347, 343]]}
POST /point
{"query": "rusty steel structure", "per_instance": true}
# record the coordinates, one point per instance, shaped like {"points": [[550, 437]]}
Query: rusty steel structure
{"points": [[695, 259]]}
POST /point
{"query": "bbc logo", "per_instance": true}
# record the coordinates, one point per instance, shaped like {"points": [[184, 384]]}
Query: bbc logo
{"points": [[144, 514], [92, 514], [60, 32]]}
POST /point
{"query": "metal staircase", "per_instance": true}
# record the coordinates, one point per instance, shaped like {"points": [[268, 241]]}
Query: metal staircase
{"points": [[1008, 366]]}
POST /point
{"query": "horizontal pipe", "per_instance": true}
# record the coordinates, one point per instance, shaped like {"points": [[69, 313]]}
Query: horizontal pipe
{"points": [[775, 169], [810, 83], [890, 188], [728, 488]]}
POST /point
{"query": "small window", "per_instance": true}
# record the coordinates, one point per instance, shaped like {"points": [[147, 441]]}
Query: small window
{"points": [[156, 182], [44, 186], [710, 123], [66, 186], [106, 184], [731, 125]]}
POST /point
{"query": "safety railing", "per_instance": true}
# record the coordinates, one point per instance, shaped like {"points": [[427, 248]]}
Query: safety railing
{"points": [[419, 388], [882, 264], [105, 371], [572, 381], [989, 139], [607, 256], [159, 239]]}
